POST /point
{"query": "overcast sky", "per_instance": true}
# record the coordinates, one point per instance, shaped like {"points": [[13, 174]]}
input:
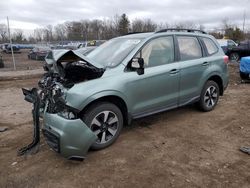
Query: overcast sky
{"points": [[30, 14]]}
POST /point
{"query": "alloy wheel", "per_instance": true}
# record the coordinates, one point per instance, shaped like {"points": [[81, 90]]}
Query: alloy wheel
{"points": [[104, 125], [234, 57], [211, 96]]}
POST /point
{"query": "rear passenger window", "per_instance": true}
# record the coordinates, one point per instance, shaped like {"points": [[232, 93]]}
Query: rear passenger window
{"points": [[189, 48], [210, 45], [159, 51]]}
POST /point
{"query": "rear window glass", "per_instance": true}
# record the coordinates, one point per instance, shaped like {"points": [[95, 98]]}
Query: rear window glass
{"points": [[189, 48], [210, 45]]}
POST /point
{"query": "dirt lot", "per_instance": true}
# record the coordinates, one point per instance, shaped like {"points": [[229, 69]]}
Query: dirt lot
{"points": [[179, 148]]}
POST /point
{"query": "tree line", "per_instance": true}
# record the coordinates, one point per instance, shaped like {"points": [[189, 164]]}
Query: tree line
{"points": [[95, 29]]}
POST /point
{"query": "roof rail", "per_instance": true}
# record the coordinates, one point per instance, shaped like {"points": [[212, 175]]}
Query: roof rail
{"points": [[180, 29], [136, 32]]}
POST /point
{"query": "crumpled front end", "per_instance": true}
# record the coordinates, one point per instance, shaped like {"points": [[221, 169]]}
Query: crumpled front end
{"points": [[63, 128], [69, 137]]}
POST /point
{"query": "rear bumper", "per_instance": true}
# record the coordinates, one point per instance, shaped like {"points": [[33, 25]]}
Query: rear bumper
{"points": [[70, 138]]}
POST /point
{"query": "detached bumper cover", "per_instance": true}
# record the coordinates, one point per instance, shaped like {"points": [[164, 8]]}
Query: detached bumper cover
{"points": [[70, 138]]}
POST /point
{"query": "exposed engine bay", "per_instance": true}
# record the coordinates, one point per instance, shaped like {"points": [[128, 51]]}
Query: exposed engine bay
{"points": [[62, 74]]}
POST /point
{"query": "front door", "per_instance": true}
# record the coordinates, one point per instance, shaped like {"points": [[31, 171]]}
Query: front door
{"points": [[157, 89]]}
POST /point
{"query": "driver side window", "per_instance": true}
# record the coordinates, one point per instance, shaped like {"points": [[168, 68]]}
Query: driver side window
{"points": [[159, 51]]}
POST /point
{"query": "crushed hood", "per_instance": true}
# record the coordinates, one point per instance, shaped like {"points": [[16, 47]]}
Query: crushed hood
{"points": [[69, 55]]}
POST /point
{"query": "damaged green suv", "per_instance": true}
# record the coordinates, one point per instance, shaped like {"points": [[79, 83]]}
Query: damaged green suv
{"points": [[86, 100]]}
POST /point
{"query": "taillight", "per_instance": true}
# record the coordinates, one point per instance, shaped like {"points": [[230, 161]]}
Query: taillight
{"points": [[226, 59]]}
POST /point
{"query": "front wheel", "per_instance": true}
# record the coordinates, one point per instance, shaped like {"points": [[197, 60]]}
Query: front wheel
{"points": [[106, 121], [209, 96]]}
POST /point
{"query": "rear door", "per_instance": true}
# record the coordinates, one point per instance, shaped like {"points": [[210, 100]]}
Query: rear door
{"points": [[192, 67]]}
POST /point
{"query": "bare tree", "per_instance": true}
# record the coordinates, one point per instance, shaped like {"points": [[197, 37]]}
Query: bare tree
{"points": [[31, 39], [18, 36], [85, 25], [3, 33], [146, 25], [38, 34], [149, 25], [137, 25], [48, 33], [226, 24], [60, 32], [186, 25], [96, 26], [108, 29], [73, 30]]}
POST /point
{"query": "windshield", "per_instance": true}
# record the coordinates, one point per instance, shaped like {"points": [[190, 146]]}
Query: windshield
{"points": [[112, 52]]}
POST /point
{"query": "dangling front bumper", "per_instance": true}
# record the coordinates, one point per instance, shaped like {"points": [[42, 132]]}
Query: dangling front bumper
{"points": [[71, 138]]}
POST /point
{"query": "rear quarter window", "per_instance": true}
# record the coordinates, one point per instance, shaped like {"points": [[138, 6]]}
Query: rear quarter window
{"points": [[210, 46]]}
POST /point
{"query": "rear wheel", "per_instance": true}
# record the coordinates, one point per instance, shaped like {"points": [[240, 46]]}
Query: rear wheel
{"points": [[234, 56], [209, 96], [106, 121]]}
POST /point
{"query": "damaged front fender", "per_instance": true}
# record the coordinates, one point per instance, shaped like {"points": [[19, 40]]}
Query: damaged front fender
{"points": [[69, 137]]}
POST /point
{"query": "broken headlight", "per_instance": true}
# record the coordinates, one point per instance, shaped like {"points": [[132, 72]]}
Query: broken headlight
{"points": [[67, 114]]}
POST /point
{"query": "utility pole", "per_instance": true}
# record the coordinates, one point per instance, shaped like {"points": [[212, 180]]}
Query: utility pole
{"points": [[14, 63], [244, 21]]}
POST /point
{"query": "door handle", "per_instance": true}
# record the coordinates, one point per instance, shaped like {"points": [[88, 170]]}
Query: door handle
{"points": [[174, 71], [205, 64]]}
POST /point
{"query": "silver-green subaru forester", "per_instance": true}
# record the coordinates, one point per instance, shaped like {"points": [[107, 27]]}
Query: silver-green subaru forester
{"points": [[86, 99]]}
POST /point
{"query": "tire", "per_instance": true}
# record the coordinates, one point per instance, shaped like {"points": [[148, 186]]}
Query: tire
{"points": [[234, 56], [244, 76], [106, 121], [209, 96]]}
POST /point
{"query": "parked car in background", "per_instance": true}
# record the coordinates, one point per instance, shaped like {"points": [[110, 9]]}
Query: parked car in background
{"points": [[26, 46], [242, 50], [226, 44], [7, 48], [91, 43], [39, 53], [67, 47], [89, 98]]}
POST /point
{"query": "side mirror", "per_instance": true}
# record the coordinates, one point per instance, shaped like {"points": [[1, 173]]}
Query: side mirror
{"points": [[138, 65]]}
